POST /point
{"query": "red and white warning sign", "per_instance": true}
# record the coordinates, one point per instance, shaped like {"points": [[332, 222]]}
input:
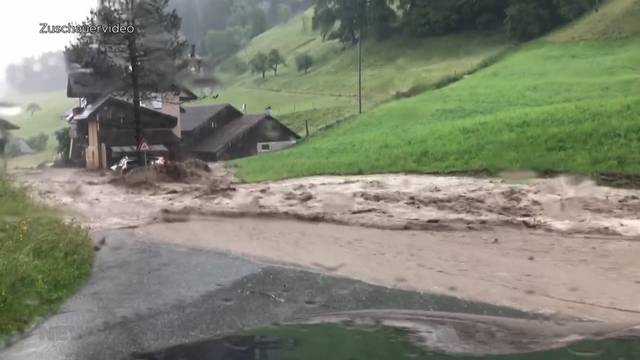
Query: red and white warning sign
{"points": [[144, 146]]}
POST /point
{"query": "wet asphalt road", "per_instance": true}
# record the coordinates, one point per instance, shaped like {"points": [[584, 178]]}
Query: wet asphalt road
{"points": [[144, 296]]}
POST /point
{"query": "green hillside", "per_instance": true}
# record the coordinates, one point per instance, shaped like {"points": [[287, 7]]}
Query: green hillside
{"points": [[392, 68], [46, 121], [555, 104]]}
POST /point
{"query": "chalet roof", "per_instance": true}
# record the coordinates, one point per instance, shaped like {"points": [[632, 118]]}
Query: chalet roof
{"points": [[230, 133], [6, 125], [186, 94], [23, 146], [194, 116], [150, 118], [83, 83]]}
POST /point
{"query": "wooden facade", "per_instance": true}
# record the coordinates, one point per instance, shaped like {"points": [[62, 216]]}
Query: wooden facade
{"points": [[108, 123]]}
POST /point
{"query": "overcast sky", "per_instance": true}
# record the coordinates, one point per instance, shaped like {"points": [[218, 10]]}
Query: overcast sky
{"points": [[19, 29]]}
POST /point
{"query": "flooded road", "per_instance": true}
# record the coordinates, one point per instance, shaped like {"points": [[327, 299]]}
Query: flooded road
{"points": [[178, 276], [553, 246], [144, 296], [321, 342]]}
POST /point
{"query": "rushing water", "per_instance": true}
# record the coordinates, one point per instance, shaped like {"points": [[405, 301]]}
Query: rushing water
{"points": [[334, 342]]}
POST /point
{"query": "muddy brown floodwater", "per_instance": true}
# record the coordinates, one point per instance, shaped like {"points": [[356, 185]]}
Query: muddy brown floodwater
{"points": [[558, 246]]}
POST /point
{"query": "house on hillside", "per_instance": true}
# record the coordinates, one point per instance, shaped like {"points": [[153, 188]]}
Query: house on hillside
{"points": [[222, 132], [5, 127]]}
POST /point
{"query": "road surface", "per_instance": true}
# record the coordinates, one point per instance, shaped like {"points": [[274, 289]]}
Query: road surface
{"points": [[143, 296]]}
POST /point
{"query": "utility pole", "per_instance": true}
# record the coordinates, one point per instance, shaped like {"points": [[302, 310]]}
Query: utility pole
{"points": [[360, 73]]}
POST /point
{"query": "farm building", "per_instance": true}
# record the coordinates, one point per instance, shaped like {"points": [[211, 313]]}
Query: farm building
{"points": [[103, 129], [222, 132]]}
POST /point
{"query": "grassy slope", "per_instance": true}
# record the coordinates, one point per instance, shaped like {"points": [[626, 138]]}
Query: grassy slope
{"points": [[327, 93], [42, 260], [47, 121], [570, 106]]}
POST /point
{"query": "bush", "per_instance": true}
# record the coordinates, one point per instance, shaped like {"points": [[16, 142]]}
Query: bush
{"points": [[38, 143], [572, 9], [304, 62], [527, 19], [234, 65], [221, 44], [260, 64], [64, 143]]}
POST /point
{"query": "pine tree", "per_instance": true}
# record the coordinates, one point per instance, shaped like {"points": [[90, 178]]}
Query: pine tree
{"points": [[137, 62]]}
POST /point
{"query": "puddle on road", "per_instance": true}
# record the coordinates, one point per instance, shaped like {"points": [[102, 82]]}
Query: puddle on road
{"points": [[328, 341]]}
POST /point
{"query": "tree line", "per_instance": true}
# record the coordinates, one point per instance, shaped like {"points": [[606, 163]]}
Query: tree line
{"points": [[44, 73], [220, 28], [260, 63], [347, 20]]}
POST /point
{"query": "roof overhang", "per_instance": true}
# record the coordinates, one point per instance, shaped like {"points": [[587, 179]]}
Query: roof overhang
{"points": [[150, 117], [6, 125]]}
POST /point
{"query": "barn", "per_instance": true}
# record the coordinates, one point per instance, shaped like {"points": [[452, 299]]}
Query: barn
{"points": [[222, 132]]}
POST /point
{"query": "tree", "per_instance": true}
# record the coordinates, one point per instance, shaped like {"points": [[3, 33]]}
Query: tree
{"points": [[33, 75], [39, 142], [527, 19], [33, 108], [257, 22], [324, 19], [221, 44], [427, 18], [351, 18], [347, 20], [64, 143], [380, 18], [274, 60], [260, 64], [137, 62], [304, 62], [572, 9]]}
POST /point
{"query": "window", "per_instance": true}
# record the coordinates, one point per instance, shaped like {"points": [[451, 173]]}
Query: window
{"points": [[156, 101]]}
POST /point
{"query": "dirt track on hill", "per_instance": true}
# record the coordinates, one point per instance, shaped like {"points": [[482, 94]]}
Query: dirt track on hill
{"points": [[547, 245]]}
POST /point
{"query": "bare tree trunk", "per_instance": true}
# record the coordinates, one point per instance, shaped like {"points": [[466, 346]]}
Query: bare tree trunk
{"points": [[133, 60]]}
